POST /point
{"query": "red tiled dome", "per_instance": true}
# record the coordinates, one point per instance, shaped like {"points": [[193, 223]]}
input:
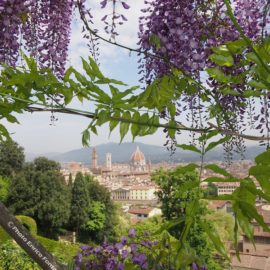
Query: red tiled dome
{"points": [[137, 155]]}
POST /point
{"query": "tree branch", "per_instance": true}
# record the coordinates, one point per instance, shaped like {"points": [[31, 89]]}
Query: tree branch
{"points": [[179, 125]]}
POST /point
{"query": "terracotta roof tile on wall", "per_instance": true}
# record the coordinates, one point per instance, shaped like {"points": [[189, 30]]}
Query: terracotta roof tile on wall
{"points": [[143, 211]]}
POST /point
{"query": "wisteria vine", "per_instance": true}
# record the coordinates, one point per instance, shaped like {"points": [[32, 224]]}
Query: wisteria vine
{"points": [[182, 34], [43, 28]]}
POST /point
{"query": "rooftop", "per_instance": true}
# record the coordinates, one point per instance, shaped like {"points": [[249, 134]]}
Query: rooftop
{"points": [[137, 155]]}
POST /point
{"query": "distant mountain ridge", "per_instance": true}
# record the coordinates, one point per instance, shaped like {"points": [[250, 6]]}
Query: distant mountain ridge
{"points": [[121, 153]]}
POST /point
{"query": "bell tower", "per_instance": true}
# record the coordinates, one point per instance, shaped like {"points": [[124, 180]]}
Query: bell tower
{"points": [[109, 161], [94, 158]]}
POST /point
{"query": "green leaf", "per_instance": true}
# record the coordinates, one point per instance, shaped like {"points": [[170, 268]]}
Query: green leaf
{"points": [[172, 128], [4, 133], [124, 126], [252, 213], [252, 57], [153, 121], [114, 123], [88, 69], [215, 168], [102, 117], [172, 110], [214, 144], [221, 50], [155, 41], [168, 225], [109, 81], [262, 174], [114, 91], [31, 63], [85, 137], [229, 91], [243, 220], [131, 266], [186, 187], [257, 84], [68, 72], [251, 93], [94, 130], [188, 168], [135, 128], [222, 60], [215, 179], [143, 127], [217, 74], [225, 197], [236, 46], [188, 147], [209, 135], [214, 237], [68, 95], [12, 119], [96, 71], [264, 158]]}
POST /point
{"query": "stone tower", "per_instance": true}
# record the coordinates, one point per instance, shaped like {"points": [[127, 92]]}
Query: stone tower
{"points": [[109, 161], [149, 165], [94, 159]]}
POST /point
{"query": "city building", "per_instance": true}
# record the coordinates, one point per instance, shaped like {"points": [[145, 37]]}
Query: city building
{"points": [[141, 213], [120, 194], [109, 161], [137, 161], [257, 257], [134, 193], [145, 193], [220, 205], [226, 188], [94, 158]]}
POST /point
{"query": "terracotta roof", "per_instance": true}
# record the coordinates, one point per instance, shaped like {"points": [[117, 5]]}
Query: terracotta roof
{"points": [[137, 155], [264, 210], [216, 204], [141, 187], [144, 211], [252, 262]]}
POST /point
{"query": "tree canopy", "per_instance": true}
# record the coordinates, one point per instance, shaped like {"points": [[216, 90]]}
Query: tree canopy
{"points": [[11, 158], [42, 194]]}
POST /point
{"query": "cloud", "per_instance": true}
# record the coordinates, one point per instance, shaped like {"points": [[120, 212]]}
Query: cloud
{"points": [[35, 132], [108, 53]]}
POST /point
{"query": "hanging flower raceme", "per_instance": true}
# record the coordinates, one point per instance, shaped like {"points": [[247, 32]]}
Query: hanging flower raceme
{"points": [[181, 34], [42, 27], [12, 14], [187, 30], [115, 18]]}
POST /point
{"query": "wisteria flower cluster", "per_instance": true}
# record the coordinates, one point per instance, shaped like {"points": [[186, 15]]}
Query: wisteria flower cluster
{"points": [[116, 256], [112, 256], [187, 31], [181, 34], [115, 18], [43, 28]]}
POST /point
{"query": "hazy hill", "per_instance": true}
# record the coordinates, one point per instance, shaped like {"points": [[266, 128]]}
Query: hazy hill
{"points": [[121, 153]]}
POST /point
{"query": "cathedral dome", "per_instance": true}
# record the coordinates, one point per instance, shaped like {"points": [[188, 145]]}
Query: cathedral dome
{"points": [[137, 156]]}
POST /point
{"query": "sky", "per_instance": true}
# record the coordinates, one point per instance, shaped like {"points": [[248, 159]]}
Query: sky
{"points": [[35, 132]]}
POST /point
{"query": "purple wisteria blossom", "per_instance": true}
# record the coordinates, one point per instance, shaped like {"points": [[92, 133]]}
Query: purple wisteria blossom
{"points": [[187, 31]]}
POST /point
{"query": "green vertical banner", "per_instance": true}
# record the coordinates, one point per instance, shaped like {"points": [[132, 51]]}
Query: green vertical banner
{"points": [[27, 242]]}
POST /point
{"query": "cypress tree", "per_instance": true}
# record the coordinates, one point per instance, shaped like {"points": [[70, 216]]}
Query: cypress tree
{"points": [[80, 203]]}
